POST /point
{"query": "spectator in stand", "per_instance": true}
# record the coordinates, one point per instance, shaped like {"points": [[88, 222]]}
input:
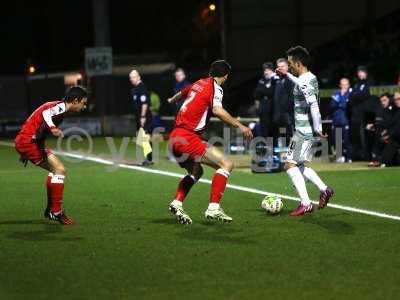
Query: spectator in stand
{"points": [[339, 103], [180, 80], [283, 115], [383, 119], [390, 137], [358, 101], [180, 83], [263, 95]]}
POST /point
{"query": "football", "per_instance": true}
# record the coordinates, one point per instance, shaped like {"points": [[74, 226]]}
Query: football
{"points": [[272, 204]]}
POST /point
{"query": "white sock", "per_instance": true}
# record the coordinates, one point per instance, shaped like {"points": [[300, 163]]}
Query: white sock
{"points": [[311, 175], [176, 203], [213, 205], [57, 178], [300, 185]]}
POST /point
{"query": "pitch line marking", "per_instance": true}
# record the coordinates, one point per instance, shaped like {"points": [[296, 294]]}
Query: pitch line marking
{"points": [[207, 181], [231, 186]]}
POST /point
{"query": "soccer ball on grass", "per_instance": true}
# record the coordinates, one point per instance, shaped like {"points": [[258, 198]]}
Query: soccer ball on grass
{"points": [[272, 204]]}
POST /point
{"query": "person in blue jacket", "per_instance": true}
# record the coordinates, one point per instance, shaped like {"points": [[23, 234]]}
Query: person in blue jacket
{"points": [[339, 105]]}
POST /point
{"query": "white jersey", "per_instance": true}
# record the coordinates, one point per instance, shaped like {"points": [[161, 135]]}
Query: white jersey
{"points": [[305, 93]]}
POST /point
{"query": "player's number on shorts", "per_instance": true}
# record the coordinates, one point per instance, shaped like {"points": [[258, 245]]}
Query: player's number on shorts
{"points": [[188, 100], [291, 149], [305, 149]]}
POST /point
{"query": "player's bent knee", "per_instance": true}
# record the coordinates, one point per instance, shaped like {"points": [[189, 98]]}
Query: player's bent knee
{"points": [[199, 172], [228, 165], [289, 166], [60, 170]]}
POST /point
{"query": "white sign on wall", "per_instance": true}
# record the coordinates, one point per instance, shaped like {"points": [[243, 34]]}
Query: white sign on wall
{"points": [[98, 61]]}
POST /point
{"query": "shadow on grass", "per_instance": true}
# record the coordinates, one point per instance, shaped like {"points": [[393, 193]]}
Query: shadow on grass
{"points": [[49, 232], [37, 236], [255, 210], [331, 225], [23, 222], [284, 213], [207, 231], [217, 232], [166, 221]]}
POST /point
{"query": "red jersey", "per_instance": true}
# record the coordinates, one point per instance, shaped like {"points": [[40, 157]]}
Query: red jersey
{"points": [[199, 99], [45, 117]]}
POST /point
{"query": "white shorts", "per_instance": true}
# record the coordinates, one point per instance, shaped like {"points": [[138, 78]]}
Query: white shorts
{"points": [[301, 149]]}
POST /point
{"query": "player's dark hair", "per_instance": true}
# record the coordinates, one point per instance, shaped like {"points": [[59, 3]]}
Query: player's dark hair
{"points": [[386, 94], [268, 65], [220, 68], [75, 93], [301, 54]]}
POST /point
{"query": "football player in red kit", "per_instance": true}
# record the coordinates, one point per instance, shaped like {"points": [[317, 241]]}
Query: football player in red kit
{"points": [[30, 144], [201, 99]]}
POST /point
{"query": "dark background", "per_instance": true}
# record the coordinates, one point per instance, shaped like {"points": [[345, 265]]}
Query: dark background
{"points": [[52, 36]]}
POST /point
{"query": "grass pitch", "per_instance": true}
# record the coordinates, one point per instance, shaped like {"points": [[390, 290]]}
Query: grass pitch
{"points": [[125, 244]]}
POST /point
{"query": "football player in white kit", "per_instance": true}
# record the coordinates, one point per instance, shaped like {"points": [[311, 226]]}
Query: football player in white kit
{"points": [[308, 130]]}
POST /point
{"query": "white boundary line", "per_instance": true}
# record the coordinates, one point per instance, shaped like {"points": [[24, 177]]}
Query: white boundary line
{"points": [[230, 186]]}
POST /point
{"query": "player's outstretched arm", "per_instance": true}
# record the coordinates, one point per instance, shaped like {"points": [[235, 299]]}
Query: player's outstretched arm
{"points": [[291, 77], [175, 98], [223, 115]]}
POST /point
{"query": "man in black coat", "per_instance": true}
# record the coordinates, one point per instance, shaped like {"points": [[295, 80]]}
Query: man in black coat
{"points": [[263, 95], [383, 118], [359, 100], [391, 136], [283, 114]]}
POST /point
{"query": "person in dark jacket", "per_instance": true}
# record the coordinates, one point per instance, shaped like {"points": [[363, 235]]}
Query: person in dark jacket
{"points": [[283, 115], [263, 95], [180, 83], [382, 120], [390, 137], [141, 106], [339, 103], [180, 80], [358, 102]]}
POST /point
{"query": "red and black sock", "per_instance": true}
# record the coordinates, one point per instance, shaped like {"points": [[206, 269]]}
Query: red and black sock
{"points": [[184, 187], [57, 191], [218, 185]]}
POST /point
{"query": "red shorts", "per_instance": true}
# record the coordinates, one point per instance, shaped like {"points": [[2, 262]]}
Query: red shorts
{"points": [[186, 146], [35, 152]]}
